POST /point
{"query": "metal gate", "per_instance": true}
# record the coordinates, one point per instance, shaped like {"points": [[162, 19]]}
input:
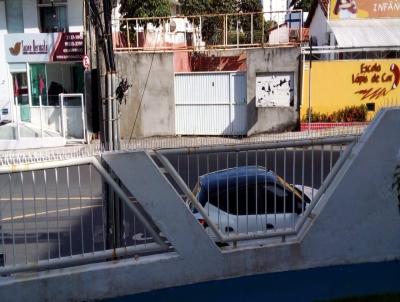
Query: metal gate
{"points": [[210, 103]]}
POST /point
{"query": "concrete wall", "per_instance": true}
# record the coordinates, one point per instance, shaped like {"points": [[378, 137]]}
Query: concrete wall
{"points": [[271, 60], [157, 112], [152, 77]]}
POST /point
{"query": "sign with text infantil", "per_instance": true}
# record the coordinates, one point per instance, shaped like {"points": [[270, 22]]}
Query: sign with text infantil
{"points": [[51, 47], [352, 9]]}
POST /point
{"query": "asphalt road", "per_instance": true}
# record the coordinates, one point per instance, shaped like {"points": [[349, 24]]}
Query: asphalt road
{"points": [[61, 212]]}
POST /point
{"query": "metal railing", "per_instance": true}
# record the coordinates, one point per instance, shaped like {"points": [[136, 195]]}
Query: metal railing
{"points": [[249, 192], [211, 31], [53, 214]]}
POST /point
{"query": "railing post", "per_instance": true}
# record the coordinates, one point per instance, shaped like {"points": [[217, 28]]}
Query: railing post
{"points": [[17, 118], [237, 33], [252, 28], [128, 34], [61, 103], [41, 116], [262, 31], [225, 31], [200, 31], [137, 33]]}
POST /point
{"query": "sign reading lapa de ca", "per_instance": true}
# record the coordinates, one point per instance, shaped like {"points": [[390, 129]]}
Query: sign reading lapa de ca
{"points": [[338, 84], [361, 9], [43, 47]]}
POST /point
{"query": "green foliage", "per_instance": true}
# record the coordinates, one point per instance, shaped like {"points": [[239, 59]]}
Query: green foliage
{"points": [[348, 114], [195, 7], [213, 26], [250, 6], [305, 5], [148, 8]]}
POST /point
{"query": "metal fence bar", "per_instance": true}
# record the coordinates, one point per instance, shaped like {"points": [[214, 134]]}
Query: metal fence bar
{"points": [[80, 259], [219, 36], [256, 146], [57, 224], [282, 217], [188, 193], [325, 185]]}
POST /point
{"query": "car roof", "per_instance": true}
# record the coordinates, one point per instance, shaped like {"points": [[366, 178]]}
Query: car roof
{"points": [[236, 176]]}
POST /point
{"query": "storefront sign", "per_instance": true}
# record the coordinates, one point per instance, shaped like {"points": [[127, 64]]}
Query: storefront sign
{"points": [[43, 47], [351, 9], [337, 84]]}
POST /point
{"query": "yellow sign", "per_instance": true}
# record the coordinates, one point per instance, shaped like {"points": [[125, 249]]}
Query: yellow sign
{"points": [[351, 9], [337, 84]]}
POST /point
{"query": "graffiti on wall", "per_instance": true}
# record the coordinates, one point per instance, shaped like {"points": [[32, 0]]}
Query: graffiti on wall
{"points": [[345, 83], [368, 74]]}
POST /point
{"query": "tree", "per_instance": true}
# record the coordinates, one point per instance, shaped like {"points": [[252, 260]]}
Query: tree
{"points": [[305, 5], [250, 6], [148, 8], [213, 26]]}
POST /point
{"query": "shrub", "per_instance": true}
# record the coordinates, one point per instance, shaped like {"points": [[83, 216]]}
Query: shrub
{"points": [[348, 114]]}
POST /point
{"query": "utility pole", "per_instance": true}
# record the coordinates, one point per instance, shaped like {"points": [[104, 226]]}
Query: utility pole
{"points": [[100, 12], [100, 16]]}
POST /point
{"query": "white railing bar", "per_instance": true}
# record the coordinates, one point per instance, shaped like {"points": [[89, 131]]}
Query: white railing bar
{"points": [[258, 146], [328, 180], [189, 194], [335, 49], [80, 259], [84, 161]]}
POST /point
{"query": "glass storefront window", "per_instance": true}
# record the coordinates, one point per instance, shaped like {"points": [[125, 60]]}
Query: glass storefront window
{"points": [[37, 74], [20, 88]]}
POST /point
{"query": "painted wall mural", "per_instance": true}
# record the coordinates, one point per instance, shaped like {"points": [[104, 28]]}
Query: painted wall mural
{"points": [[351, 9], [339, 84]]}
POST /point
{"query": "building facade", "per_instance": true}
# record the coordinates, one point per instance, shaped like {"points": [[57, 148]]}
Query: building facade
{"points": [[40, 58]]}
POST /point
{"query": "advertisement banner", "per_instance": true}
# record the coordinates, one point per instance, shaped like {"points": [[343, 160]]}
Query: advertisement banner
{"points": [[336, 85], [352, 9], [51, 47]]}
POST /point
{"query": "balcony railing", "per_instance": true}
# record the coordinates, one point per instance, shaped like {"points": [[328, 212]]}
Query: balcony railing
{"points": [[213, 31]]}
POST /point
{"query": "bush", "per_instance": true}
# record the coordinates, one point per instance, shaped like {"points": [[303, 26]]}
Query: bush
{"points": [[348, 114]]}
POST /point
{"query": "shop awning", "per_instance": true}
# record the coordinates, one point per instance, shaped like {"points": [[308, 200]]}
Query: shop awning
{"points": [[366, 33]]}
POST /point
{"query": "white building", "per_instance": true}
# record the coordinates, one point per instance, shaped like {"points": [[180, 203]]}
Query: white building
{"points": [[41, 50], [279, 7]]}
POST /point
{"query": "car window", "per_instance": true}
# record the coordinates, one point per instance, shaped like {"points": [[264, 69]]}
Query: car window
{"points": [[253, 199]]}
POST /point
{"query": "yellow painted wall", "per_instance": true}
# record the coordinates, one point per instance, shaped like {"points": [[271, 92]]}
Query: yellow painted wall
{"points": [[337, 84]]}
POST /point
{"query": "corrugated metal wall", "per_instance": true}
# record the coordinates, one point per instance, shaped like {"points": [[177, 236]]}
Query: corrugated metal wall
{"points": [[210, 104]]}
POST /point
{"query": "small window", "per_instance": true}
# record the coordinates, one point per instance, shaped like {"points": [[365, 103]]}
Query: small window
{"points": [[14, 16], [53, 15]]}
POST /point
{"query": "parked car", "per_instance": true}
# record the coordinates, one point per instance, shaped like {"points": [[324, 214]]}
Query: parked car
{"points": [[250, 199]]}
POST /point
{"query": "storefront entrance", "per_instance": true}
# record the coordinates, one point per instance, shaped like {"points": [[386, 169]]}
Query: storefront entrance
{"points": [[48, 100]]}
